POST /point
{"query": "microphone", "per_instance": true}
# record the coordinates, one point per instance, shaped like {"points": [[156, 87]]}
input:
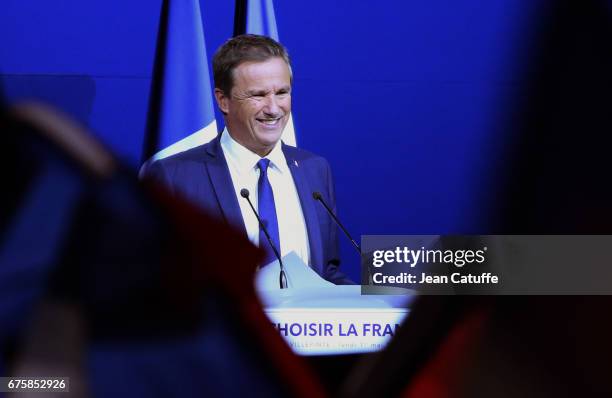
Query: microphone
{"points": [[282, 278], [319, 197]]}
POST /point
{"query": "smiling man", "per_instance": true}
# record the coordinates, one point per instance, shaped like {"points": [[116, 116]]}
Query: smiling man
{"points": [[258, 103], [253, 82]]}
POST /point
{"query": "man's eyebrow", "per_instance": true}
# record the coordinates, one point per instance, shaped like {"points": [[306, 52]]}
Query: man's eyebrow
{"points": [[256, 92], [264, 92]]}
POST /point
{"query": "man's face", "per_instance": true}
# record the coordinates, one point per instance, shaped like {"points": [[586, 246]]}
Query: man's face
{"points": [[259, 105]]}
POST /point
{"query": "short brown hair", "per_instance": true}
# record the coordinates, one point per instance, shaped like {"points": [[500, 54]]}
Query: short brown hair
{"points": [[244, 48]]}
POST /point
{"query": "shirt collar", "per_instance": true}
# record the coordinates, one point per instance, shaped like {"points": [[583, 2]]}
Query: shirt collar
{"points": [[244, 160]]}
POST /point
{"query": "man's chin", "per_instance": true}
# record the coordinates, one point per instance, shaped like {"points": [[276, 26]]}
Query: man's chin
{"points": [[270, 138]]}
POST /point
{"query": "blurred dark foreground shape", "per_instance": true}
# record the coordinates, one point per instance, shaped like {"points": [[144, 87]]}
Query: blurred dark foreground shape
{"points": [[127, 291], [554, 179]]}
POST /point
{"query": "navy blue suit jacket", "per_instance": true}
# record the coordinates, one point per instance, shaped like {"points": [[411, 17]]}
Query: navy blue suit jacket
{"points": [[202, 176]]}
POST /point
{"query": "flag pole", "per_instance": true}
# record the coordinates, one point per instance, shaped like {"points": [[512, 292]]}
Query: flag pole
{"points": [[151, 136], [240, 17]]}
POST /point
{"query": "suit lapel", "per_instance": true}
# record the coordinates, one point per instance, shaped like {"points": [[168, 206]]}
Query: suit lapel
{"points": [[223, 187], [310, 214]]}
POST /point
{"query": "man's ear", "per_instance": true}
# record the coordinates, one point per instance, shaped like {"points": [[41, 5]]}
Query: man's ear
{"points": [[222, 100]]}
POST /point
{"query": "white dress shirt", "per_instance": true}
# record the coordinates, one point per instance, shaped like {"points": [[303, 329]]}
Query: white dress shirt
{"points": [[242, 164]]}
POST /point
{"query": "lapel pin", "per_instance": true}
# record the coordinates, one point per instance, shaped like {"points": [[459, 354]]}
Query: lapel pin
{"points": [[296, 163]]}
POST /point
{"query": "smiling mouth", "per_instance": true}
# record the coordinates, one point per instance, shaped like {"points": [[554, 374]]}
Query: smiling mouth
{"points": [[269, 122]]}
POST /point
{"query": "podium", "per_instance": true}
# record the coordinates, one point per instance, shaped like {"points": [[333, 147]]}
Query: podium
{"points": [[316, 317]]}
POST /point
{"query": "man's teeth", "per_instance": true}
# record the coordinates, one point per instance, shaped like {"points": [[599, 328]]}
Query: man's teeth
{"points": [[269, 122]]}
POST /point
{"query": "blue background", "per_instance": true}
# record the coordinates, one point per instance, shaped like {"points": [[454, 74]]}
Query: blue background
{"points": [[411, 101]]}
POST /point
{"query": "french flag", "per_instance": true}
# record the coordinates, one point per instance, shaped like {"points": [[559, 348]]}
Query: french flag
{"points": [[181, 110], [261, 20]]}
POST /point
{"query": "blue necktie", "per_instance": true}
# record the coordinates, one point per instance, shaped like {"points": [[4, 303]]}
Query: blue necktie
{"points": [[267, 212]]}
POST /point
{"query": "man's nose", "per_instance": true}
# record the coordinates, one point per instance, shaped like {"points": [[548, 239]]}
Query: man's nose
{"points": [[271, 106]]}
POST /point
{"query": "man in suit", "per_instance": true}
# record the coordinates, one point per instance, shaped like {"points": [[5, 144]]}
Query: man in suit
{"points": [[253, 80]]}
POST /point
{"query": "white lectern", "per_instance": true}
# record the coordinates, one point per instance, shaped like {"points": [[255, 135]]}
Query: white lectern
{"points": [[317, 317]]}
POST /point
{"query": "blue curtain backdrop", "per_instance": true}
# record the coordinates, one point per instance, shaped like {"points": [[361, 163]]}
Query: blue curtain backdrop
{"points": [[411, 102]]}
